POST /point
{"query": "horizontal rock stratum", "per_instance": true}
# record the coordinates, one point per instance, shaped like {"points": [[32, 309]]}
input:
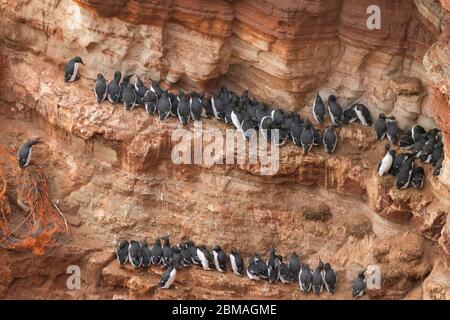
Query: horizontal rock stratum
{"points": [[111, 170]]}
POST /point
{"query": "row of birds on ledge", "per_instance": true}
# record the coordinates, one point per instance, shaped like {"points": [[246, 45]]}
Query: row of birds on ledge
{"points": [[246, 114], [186, 254]]}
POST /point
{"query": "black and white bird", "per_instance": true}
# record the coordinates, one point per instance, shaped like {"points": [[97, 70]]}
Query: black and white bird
{"points": [[398, 161], [406, 141], [317, 279], [164, 106], [193, 249], [217, 106], [307, 137], [329, 278], [296, 131], [265, 127], [141, 90], [277, 116], [113, 88], [305, 278], [417, 132], [146, 255], [438, 167], [122, 251], [335, 110], [252, 269], [319, 111], [135, 255], [349, 115], [129, 96], [174, 104], [359, 285], [392, 130], [262, 267], [386, 163], [100, 88], [168, 277], [220, 259], [167, 252], [427, 149], [404, 175], [183, 110], [437, 153], [71, 69], [203, 257], [150, 101], [285, 273], [418, 177], [381, 126], [273, 266], [156, 89], [196, 106], [24, 153], [272, 258], [294, 266], [274, 272], [330, 139], [237, 263], [176, 256], [363, 114], [237, 116], [157, 252], [186, 256]]}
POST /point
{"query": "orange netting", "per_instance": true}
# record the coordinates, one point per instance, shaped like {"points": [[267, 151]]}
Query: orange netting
{"points": [[30, 190]]}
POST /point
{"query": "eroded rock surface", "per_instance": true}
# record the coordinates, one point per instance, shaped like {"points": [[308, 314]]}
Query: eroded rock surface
{"points": [[112, 173]]}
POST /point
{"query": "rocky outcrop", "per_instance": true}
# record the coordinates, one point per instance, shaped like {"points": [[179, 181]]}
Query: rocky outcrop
{"points": [[112, 172]]}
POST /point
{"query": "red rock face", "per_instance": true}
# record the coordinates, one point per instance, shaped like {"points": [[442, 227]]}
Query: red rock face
{"points": [[114, 175]]}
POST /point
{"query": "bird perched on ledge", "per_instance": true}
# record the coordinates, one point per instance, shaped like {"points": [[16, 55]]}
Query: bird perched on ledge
{"points": [[24, 153], [71, 69]]}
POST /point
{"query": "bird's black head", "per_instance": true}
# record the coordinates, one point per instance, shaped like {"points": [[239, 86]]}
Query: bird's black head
{"points": [[139, 82], [382, 116], [77, 59], [217, 248], [307, 124], [419, 170], [158, 242], [33, 141], [327, 266], [190, 243], [175, 249], [100, 76], [117, 75], [154, 83], [320, 266], [144, 243], [332, 98], [127, 77], [233, 250], [361, 273], [123, 243]]}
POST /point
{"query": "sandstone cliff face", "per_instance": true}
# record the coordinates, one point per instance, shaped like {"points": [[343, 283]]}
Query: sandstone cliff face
{"points": [[112, 172]]}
